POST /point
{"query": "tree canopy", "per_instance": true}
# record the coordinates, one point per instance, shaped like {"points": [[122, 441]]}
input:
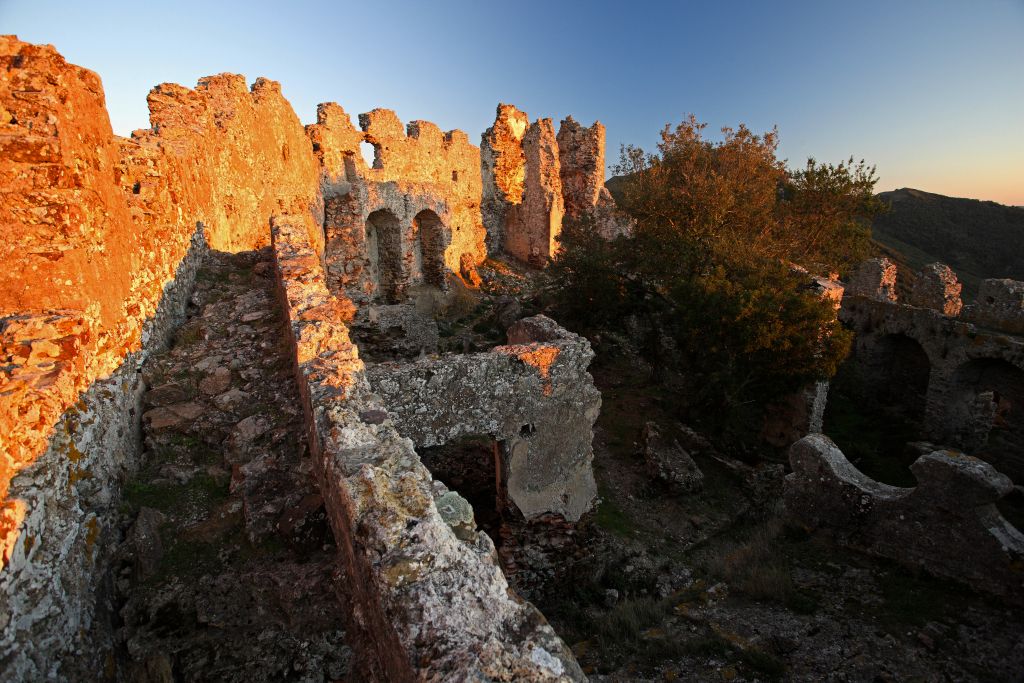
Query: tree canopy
{"points": [[709, 271]]}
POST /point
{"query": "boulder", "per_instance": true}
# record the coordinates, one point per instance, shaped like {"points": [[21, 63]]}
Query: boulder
{"points": [[668, 462]]}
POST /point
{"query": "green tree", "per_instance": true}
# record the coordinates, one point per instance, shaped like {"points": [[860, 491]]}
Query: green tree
{"points": [[708, 271]]}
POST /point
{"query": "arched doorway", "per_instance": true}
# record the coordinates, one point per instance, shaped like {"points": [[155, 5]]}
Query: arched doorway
{"points": [[895, 370], [986, 413], [428, 249], [384, 256], [876, 406]]}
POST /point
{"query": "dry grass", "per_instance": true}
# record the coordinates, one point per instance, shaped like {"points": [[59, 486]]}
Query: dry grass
{"points": [[755, 565]]}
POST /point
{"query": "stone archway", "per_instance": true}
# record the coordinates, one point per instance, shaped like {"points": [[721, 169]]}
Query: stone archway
{"points": [[895, 369], [384, 256], [986, 413], [428, 249], [877, 405]]}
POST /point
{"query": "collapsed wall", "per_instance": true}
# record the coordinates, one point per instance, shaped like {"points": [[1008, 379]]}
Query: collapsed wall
{"points": [[534, 397], [432, 605], [104, 235], [533, 180], [948, 524]]}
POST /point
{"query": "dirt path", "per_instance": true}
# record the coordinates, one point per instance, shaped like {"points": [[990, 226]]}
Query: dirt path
{"points": [[228, 563]]}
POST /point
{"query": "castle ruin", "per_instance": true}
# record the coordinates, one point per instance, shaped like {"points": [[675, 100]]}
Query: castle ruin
{"points": [[105, 236]]}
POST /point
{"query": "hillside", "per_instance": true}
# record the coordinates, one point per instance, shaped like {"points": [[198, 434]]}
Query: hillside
{"points": [[977, 239]]}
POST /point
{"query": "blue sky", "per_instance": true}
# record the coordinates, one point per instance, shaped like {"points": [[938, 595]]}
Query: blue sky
{"points": [[930, 92]]}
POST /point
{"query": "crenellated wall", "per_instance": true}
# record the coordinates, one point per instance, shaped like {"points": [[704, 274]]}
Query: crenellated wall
{"points": [[409, 219], [104, 236]]}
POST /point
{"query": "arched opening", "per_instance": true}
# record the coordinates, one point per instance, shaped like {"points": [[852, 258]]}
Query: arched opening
{"points": [[428, 249], [895, 370], [876, 406], [986, 413], [370, 154], [384, 256]]}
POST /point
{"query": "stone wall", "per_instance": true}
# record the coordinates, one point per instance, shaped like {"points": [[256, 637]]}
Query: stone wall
{"points": [[533, 396], [431, 606], [1000, 306], [874, 279], [951, 346], [409, 219], [937, 287], [973, 385], [56, 555], [948, 524], [503, 170], [533, 225], [103, 238], [533, 180], [581, 154]]}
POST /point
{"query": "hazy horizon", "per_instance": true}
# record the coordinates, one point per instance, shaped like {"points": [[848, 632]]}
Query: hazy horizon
{"points": [[932, 93]]}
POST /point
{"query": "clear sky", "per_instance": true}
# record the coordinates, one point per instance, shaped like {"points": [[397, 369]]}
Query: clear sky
{"points": [[931, 92]]}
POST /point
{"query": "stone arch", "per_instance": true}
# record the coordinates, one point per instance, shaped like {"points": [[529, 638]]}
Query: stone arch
{"points": [[877, 404], [986, 413], [384, 255], [895, 369], [428, 249]]}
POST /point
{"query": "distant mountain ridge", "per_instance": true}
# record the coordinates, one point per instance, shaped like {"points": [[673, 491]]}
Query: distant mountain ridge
{"points": [[978, 239]]}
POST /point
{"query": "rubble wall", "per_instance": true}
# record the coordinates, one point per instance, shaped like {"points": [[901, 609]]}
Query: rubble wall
{"points": [[532, 226], [63, 506], [534, 396], [424, 182], [1000, 306], [431, 606], [937, 287], [948, 524], [503, 170], [103, 238]]}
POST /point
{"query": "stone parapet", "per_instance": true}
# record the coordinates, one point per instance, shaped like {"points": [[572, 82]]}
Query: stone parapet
{"points": [[430, 606]]}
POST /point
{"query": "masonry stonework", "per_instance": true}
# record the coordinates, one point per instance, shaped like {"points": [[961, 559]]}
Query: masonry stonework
{"points": [[534, 180], [967, 360], [948, 524], [105, 235]]}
